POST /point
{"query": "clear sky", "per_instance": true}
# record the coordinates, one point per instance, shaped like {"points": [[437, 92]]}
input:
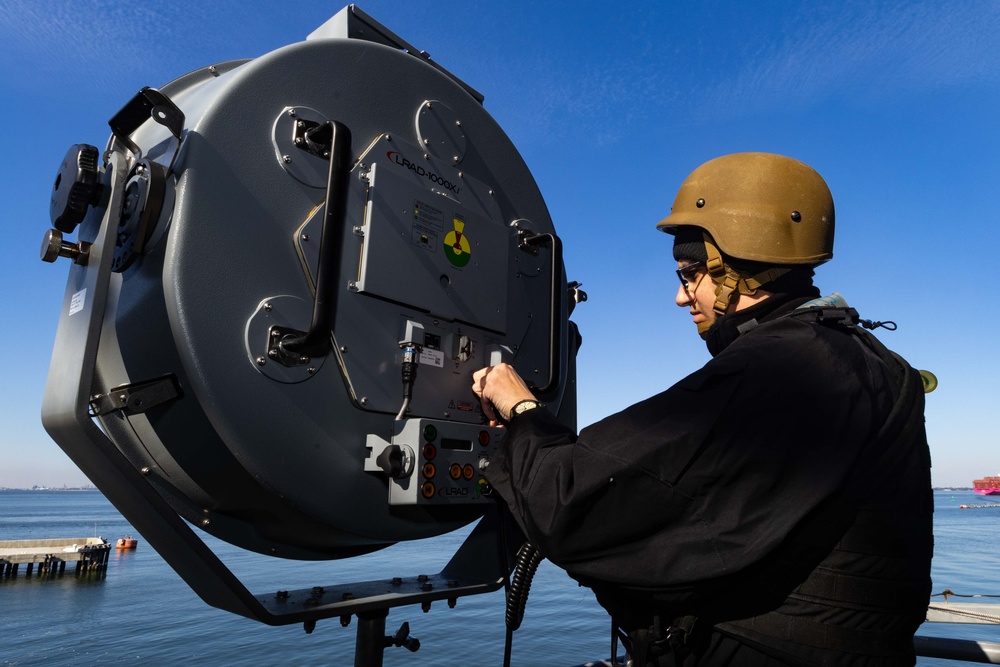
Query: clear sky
{"points": [[611, 105]]}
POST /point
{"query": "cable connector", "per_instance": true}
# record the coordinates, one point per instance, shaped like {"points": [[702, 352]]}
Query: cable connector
{"points": [[411, 353]]}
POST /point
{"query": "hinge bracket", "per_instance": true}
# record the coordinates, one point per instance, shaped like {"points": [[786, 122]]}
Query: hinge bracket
{"points": [[133, 399]]}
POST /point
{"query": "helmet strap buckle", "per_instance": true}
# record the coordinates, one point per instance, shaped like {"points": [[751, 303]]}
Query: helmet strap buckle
{"points": [[730, 282]]}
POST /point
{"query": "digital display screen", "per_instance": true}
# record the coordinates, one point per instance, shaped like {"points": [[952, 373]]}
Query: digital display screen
{"points": [[456, 444]]}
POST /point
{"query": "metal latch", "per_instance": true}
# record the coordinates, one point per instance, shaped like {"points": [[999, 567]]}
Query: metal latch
{"points": [[133, 399]]}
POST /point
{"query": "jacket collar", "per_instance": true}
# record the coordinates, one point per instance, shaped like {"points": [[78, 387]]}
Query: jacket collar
{"points": [[727, 328]]}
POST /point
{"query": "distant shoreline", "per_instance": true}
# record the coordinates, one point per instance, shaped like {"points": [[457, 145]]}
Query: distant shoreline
{"points": [[48, 488]]}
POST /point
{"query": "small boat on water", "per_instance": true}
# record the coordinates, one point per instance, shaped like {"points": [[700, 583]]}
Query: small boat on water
{"points": [[987, 486], [126, 543]]}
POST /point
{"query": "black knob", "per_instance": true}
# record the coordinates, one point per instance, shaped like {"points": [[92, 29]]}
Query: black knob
{"points": [[76, 187], [396, 461]]}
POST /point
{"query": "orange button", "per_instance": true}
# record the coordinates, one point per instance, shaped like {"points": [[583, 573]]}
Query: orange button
{"points": [[468, 472], [428, 490], [455, 471], [429, 470]]}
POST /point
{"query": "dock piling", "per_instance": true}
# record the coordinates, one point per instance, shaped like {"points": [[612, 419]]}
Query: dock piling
{"points": [[51, 556]]}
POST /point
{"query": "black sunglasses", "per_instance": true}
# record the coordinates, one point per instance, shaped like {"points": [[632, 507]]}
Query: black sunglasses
{"points": [[684, 274]]}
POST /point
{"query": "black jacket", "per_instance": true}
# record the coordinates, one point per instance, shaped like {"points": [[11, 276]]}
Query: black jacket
{"points": [[781, 495]]}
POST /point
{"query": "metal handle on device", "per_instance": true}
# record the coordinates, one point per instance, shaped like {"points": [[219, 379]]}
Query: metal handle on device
{"points": [[316, 342], [528, 240]]}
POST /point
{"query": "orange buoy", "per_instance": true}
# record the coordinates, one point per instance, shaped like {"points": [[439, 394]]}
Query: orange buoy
{"points": [[127, 543]]}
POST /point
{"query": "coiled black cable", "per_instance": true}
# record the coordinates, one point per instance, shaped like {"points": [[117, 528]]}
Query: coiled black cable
{"points": [[528, 558]]}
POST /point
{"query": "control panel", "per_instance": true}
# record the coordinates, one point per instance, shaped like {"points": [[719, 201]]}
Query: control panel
{"points": [[433, 462]]}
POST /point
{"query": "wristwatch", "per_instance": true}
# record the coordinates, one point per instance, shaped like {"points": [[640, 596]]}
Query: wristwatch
{"points": [[522, 407]]}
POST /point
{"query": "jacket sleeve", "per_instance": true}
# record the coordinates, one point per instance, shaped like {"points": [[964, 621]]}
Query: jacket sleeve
{"points": [[697, 482]]}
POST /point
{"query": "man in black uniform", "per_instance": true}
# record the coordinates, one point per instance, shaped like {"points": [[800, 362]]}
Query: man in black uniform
{"points": [[772, 508]]}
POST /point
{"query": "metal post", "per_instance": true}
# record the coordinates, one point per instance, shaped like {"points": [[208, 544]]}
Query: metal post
{"points": [[370, 644]]}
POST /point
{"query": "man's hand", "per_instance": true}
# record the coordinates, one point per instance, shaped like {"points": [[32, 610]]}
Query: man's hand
{"points": [[499, 389]]}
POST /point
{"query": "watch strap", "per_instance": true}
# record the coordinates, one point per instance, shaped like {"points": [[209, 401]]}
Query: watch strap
{"points": [[523, 406]]}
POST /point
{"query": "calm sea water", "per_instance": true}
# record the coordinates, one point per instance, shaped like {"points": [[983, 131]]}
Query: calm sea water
{"points": [[139, 610]]}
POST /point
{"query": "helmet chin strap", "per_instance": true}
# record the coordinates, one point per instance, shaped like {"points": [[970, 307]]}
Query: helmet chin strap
{"points": [[729, 282]]}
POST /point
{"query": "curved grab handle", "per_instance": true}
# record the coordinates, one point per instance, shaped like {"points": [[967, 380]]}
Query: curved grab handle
{"points": [[316, 342], [528, 241]]}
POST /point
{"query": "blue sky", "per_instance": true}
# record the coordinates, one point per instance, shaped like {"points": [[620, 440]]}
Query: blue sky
{"points": [[611, 105]]}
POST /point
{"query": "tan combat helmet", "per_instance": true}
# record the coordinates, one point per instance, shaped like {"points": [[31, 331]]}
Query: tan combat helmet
{"points": [[756, 207]]}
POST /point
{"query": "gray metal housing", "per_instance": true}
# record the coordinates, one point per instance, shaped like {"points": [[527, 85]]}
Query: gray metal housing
{"points": [[275, 457]]}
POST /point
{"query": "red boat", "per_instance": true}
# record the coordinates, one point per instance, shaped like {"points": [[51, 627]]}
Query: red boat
{"points": [[988, 486]]}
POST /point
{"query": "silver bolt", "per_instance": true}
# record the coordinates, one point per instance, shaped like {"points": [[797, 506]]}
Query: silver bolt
{"points": [[447, 413], [206, 522], [343, 348], [145, 471], [305, 238], [311, 370], [426, 156], [491, 192], [300, 123], [272, 353], [388, 137], [364, 400], [427, 142], [291, 112], [429, 105], [261, 361], [458, 123], [286, 159], [268, 306], [454, 159]]}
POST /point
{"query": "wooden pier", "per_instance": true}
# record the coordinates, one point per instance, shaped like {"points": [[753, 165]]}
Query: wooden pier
{"points": [[51, 556]]}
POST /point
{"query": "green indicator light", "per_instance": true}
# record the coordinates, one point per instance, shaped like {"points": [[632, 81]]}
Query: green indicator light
{"points": [[430, 432]]}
